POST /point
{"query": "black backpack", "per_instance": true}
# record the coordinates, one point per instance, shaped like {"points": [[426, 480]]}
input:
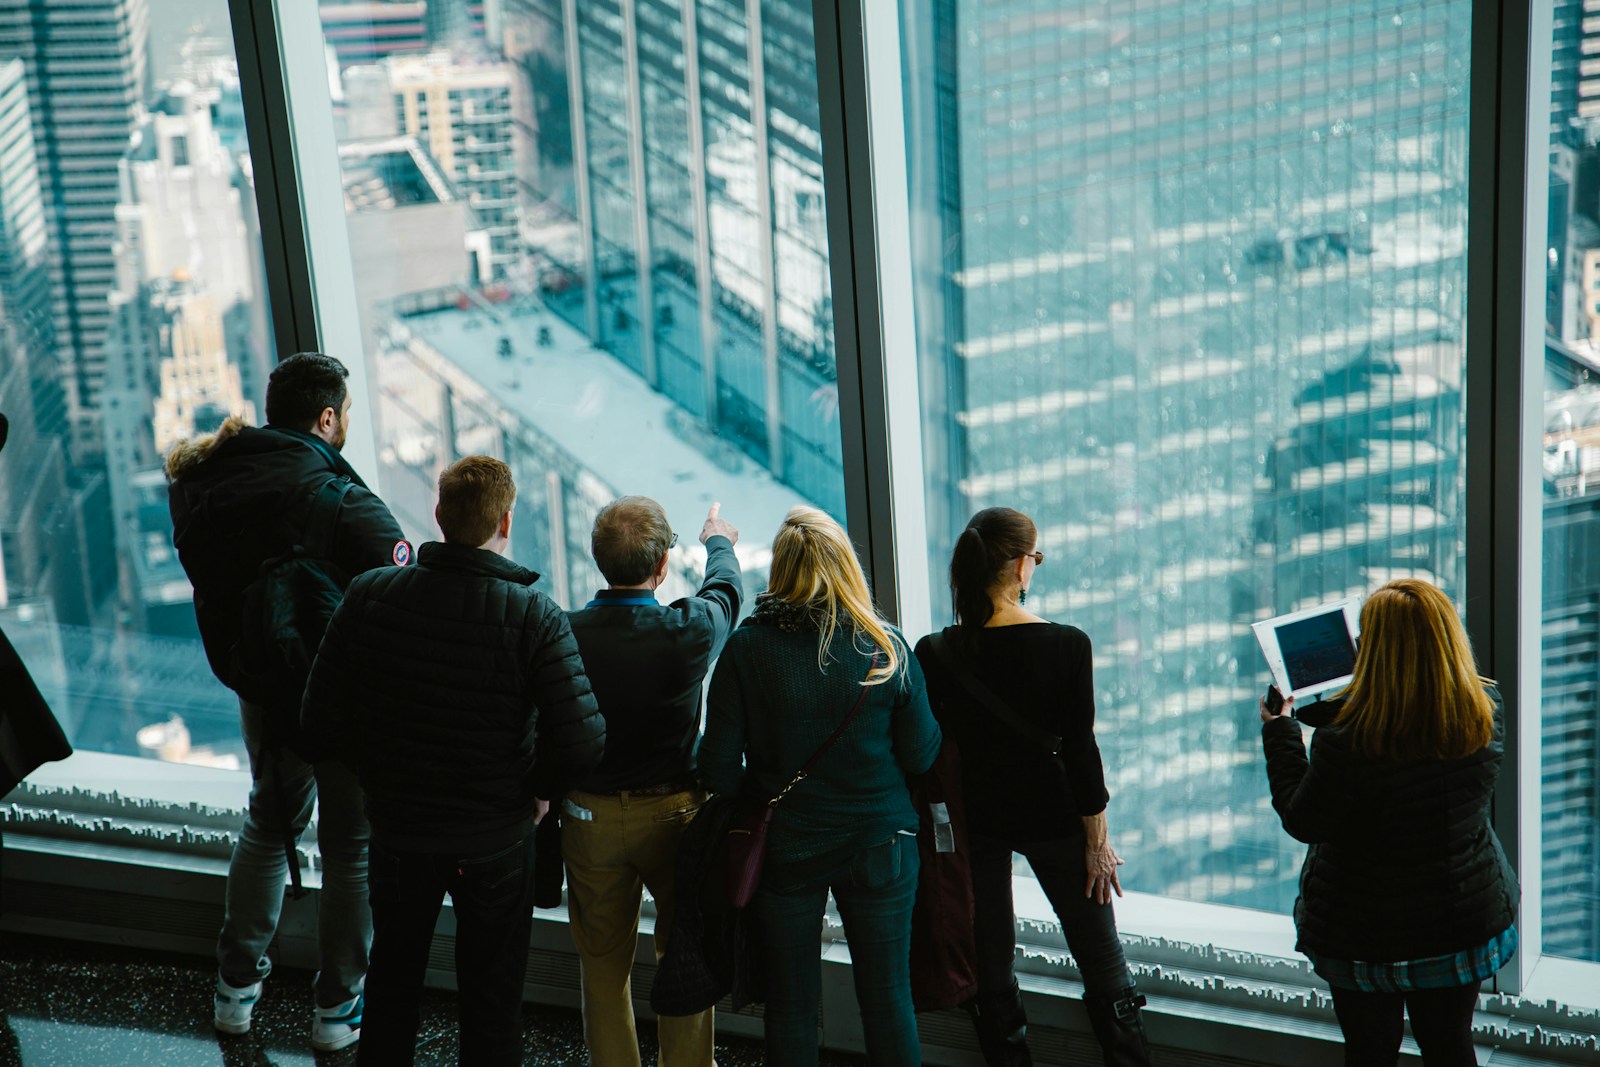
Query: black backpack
{"points": [[286, 612]]}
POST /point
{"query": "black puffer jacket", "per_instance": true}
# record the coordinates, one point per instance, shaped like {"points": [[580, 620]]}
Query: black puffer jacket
{"points": [[1403, 864], [241, 496], [456, 692]]}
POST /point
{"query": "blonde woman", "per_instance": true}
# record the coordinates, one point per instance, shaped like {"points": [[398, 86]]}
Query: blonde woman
{"points": [[1406, 899], [786, 680]]}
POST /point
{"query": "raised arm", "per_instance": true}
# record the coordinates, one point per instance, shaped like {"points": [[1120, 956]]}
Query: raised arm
{"points": [[722, 591], [1311, 796]]}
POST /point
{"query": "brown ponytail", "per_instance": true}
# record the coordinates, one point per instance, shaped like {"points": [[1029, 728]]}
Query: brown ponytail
{"points": [[993, 538]]}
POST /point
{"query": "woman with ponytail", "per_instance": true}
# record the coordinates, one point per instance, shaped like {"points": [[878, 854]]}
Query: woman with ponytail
{"points": [[812, 651], [1016, 695]]}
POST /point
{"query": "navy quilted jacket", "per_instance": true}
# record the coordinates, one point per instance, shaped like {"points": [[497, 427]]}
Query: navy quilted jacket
{"points": [[455, 690], [1403, 863]]}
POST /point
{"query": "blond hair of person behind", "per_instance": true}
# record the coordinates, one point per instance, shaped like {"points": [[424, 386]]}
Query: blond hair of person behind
{"points": [[1417, 693], [813, 563]]}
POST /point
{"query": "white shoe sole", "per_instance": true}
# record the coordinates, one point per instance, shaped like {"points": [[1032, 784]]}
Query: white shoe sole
{"points": [[224, 1027], [338, 1043]]}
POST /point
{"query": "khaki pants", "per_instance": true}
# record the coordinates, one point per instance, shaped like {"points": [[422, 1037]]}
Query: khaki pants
{"points": [[630, 842]]}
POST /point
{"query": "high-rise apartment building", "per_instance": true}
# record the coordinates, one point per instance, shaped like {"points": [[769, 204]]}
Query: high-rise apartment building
{"points": [[85, 68], [461, 112]]}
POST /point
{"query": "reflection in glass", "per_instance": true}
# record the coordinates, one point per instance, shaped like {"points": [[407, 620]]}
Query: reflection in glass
{"points": [[654, 316], [1189, 292]]}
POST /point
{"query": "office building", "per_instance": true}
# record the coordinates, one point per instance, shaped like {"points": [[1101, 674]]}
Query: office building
{"points": [[86, 78], [1212, 345], [374, 30], [461, 112]]}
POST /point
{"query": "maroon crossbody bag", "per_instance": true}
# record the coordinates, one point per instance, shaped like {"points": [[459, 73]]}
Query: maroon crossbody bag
{"points": [[744, 850]]}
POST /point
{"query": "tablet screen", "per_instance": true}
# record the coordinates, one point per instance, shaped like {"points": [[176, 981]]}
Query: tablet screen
{"points": [[1316, 649], [1311, 651]]}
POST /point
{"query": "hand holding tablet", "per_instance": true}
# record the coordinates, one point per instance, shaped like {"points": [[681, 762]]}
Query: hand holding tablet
{"points": [[1311, 651]]}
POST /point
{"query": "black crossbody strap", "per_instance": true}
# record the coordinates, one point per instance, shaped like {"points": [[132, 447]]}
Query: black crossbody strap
{"points": [[956, 664], [810, 764], [322, 526]]}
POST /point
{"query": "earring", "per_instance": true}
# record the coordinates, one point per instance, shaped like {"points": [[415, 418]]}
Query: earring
{"points": [[1022, 596]]}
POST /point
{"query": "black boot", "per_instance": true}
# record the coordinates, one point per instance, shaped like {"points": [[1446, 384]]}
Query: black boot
{"points": [[1115, 1019], [1002, 1027]]}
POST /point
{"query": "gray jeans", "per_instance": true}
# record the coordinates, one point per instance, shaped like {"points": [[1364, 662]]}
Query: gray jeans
{"points": [[259, 869]]}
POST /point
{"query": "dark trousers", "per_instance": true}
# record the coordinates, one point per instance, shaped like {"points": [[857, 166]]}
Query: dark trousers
{"points": [[493, 898], [1090, 928], [1441, 1021], [874, 889]]}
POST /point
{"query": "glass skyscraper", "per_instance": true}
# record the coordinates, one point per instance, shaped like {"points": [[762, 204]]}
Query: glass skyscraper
{"points": [[1191, 293]]}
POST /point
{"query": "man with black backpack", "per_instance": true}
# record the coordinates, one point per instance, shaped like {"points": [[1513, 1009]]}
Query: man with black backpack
{"points": [[271, 524]]}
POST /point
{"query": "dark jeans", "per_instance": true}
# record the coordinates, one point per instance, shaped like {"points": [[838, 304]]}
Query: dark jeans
{"points": [[1441, 1021], [874, 890], [1090, 928], [493, 898]]}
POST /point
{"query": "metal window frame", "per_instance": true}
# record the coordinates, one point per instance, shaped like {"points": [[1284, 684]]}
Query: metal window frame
{"points": [[1507, 198]]}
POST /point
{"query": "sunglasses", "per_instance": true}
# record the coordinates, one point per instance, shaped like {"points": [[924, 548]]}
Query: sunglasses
{"points": [[1037, 557]]}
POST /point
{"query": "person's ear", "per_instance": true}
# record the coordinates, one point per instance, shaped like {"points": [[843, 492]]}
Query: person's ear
{"points": [[661, 568], [327, 420], [436, 521], [504, 529]]}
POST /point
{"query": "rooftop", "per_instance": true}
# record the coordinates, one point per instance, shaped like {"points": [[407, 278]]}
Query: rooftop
{"points": [[589, 406]]}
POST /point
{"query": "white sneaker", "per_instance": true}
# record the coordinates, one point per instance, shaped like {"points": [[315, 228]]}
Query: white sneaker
{"points": [[234, 1004], [337, 1027]]}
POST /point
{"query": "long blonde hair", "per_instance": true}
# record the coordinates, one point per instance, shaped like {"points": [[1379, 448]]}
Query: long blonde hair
{"points": [[814, 564], [1416, 693]]}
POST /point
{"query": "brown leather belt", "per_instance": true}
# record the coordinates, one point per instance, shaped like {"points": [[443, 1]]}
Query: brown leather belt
{"points": [[677, 785]]}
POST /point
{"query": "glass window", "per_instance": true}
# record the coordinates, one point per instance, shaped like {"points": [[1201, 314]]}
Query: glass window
{"points": [[1570, 750], [588, 238], [132, 314], [1190, 292]]}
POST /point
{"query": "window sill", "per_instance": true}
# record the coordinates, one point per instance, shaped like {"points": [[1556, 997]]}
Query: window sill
{"points": [[134, 851]]}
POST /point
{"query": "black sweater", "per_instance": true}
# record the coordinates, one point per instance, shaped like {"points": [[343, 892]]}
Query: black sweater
{"points": [[1403, 864], [1012, 787], [456, 692]]}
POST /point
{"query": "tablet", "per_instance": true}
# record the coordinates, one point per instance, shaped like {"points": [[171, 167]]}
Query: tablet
{"points": [[1314, 650]]}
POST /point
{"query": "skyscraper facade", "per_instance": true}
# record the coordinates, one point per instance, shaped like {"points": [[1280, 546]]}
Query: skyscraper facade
{"points": [[1190, 292], [679, 216], [85, 67]]}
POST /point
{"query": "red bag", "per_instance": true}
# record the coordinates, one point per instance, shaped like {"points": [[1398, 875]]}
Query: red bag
{"points": [[944, 951], [744, 849], [744, 852]]}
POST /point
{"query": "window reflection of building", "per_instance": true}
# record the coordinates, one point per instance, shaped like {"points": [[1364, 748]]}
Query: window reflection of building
{"points": [[1144, 249]]}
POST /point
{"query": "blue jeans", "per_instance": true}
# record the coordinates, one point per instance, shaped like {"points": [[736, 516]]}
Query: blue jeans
{"points": [[259, 868], [493, 898], [874, 890], [1089, 927]]}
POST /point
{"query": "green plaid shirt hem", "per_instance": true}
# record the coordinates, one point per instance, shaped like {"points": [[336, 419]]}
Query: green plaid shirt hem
{"points": [[1436, 972]]}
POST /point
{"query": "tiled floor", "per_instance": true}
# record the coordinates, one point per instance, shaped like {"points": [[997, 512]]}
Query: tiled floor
{"points": [[66, 1004]]}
